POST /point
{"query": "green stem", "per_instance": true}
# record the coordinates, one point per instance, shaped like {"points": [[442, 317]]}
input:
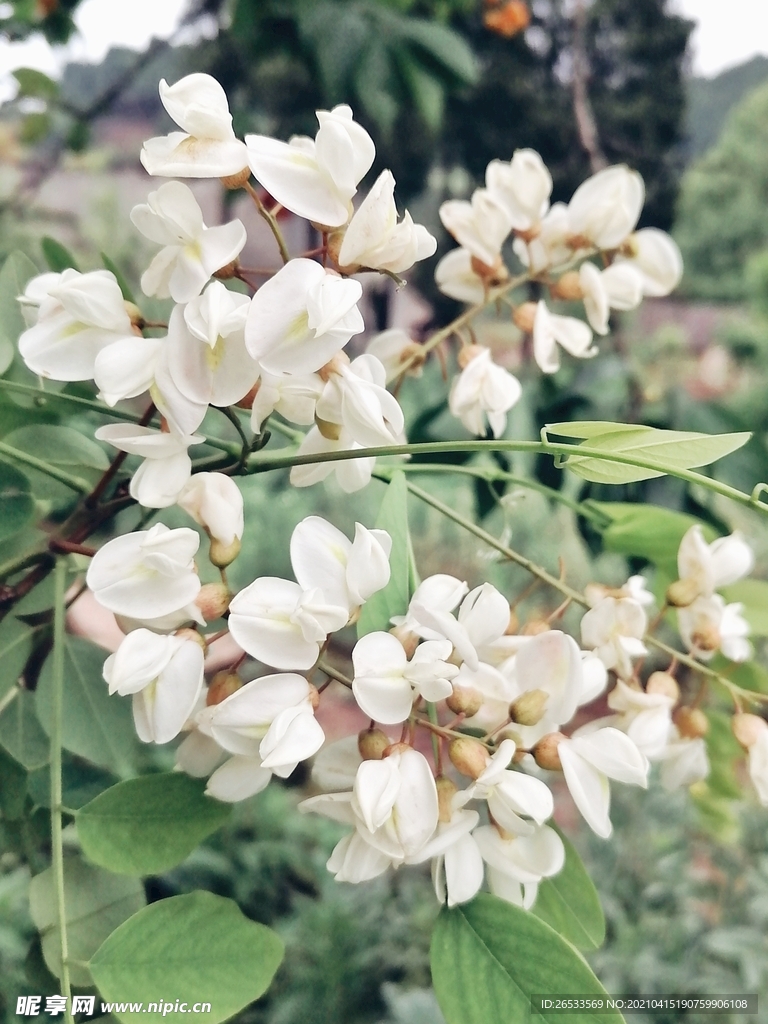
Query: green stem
{"points": [[57, 845], [76, 483]]}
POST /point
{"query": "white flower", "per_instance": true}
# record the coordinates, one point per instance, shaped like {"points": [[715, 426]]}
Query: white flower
{"points": [[347, 572], [709, 624], [480, 225], [206, 354], [456, 277], [440, 593], [683, 761], [79, 315], [356, 402], [385, 682], [166, 468], [315, 179], [523, 186], [758, 765], [617, 287], [604, 209], [375, 240], [164, 674], [614, 629], [656, 258], [711, 566], [483, 389], [511, 794], [126, 369], [191, 251], [35, 299], [215, 502], [238, 778], [589, 760], [550, 662], [550, 246], [300, 318], [271, 718], [392, 348], [483, 618], [282, 625], [551, 330], [645, 717], [148, 574], [457, 867], [206, 147], [351, 474], [516, 864], [294, 397]]}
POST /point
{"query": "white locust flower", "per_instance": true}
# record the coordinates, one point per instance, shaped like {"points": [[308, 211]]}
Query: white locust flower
{"points": [[206, 146], [619, 286], [293, 396], [166, 468], [79, 315], [683, 761], [614, 629], [549, 247], [351, 474], [589, 760], [482, 618], [441, 594], [191, 252], [605, 208], [148, 574], [758, 765], [392, 348], [164, 674], [315, 179], [512, 796], [654, 255], [375, 240], [457, 278], [206, 354], [523, 186], [481, 225], [126, 369], [386, 683], [516, 864], [551, 330], [356, 402], [457, 866], [709, 624], [707, 567], [645, 717], [483, 389], [300, 318], [214, 501]]}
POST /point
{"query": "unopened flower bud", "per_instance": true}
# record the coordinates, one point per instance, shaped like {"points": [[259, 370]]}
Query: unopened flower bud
{"points": [[334, 244], [707, 637], [222, 555], [223, 685], [330, 431], [213, 600], [465, 700], [227, 272], [524, 316], [691, 723], [314, 696], [748, 728], [568, 287], [372, 743], [468, 756], [446, 790], [681, 593], [529, 707], [137, 317], [534, 627], [545, 752], [408, 639], [467, 354], [664, 684], [188, 633], [235, 181]]}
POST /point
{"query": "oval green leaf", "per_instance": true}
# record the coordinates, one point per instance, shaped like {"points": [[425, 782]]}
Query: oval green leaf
{"points": [[489, 957], [648, 531], [195, 948], [17, 506], [21, 733], [570, 904], [147, 825]]}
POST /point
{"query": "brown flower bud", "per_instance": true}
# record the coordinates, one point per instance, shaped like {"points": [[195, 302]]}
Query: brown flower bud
{"points": [[465, 700], [335, 239], [446, 790], [468, 756], [223, 685], [372, 743], [529, 707], [748, 728], [213, 600], [246, 402], [707, 637], [663, 683], [408, 639], [691, 722], [681, 593], [314, 696], [396, 748], [222, 555], [467, 354], [524, 316], [189, 633], [137, 317], [227, 272], [235, 181], [568, 287], [545, 752]]}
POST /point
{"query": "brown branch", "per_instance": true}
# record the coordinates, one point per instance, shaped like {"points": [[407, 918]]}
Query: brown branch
{"points": [[582, 108]]}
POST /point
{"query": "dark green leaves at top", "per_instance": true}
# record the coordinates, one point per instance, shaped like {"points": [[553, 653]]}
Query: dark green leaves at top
{"points": [[666, 450], [57, 256], [16, 271], [489, 957], [198, 947], [147, 825], [394, 598], [570, 904], [17, 506], [648, 531]]}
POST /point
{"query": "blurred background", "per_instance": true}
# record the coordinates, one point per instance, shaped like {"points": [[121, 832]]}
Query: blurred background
{"points": [[678, 90]]}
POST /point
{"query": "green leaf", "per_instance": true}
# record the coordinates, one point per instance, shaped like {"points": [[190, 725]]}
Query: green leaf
{"points": [[125, 288], [753, 594], [63, 448], [394, 598], [17, 506], [489, 957], [21, 733], [15, 648], [196, 948], [147, 825], [667, 449], [57, 256], [426, 90], [589, 428], [445, 48], [34, 83], [570, 904], [13, 787], [95, 725], [17, 271], [96, 903], [648, 531]]}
